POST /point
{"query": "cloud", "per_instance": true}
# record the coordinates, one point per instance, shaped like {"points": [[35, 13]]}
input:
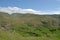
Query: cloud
{"points": [[11, 10]]}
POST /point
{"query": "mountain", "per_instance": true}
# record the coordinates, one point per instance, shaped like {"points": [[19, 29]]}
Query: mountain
{"points": [[18, 26]]}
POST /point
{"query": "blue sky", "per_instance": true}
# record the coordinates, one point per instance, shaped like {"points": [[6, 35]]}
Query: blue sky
{"points": [[43, 5], [33, 4]]}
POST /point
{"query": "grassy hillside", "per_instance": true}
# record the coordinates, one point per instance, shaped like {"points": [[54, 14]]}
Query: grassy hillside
{"points": [[19, 26]]}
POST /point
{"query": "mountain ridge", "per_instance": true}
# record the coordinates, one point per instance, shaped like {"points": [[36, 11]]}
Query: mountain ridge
{"points": [[30, 25]]}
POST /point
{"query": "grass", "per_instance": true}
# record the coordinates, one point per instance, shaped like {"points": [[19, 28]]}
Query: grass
{"points": [[29, 27]]}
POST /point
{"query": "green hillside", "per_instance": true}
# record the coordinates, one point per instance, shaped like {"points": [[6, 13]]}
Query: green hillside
{"points": [[18, 26]]}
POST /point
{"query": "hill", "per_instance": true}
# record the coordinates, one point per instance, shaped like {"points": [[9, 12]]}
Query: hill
{"points": [[18, 26]]}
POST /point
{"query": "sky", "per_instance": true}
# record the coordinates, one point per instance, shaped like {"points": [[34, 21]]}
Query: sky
{"points": [[34, 6]]}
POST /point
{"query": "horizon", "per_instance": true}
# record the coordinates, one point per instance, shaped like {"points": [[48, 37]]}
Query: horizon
{"points": [[30, 6]]}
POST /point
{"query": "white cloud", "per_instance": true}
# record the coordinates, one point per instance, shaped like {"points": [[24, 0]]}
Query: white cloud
{"points": [[20, 10]]}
